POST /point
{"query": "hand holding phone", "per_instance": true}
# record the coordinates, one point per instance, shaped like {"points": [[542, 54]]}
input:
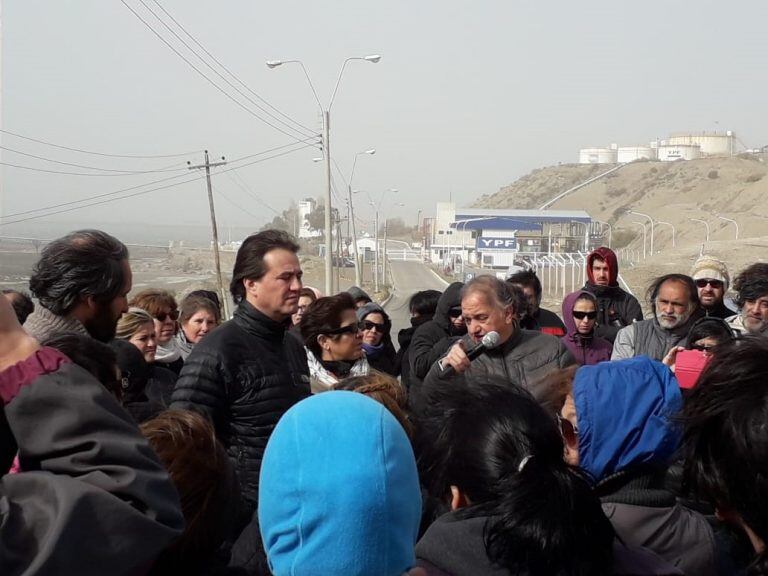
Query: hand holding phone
{"points": [[689, 365]]}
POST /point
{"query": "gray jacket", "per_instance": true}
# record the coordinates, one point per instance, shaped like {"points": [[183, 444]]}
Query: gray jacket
{"points": [[648, 338], [524, 359]]}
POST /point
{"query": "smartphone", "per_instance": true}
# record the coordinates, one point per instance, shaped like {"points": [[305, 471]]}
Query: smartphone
{"points": [[689, 365]]}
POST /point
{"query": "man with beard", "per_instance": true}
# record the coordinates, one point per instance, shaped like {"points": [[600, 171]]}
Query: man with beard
{"points": [[616, 308], [675, 304], [751, 287], [711, 278], [82, 282]]}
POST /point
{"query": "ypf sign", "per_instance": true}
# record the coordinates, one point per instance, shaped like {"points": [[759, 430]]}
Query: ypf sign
{"points": [[488, 244]]}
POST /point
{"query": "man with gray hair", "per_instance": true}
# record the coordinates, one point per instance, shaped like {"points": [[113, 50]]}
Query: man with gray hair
{"points": [[675, 304], [751, 286], [521, 356]]}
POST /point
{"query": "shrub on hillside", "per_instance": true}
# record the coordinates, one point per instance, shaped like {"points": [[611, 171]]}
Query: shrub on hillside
{"points": [[713, 174]]}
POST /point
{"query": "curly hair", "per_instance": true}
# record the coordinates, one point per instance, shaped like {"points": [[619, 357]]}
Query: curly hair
{"points": [[751, 283]]}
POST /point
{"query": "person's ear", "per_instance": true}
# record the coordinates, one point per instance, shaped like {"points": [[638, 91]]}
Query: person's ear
{"points": [[324, 341], [509, 314], [251, 286], [458, 498]]}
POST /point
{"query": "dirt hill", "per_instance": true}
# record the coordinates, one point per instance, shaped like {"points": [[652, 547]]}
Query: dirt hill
{"points": [[734, 187]]}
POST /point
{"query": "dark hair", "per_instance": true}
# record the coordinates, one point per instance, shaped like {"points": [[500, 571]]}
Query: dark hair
{"points": [[725, 442], [385, 390], [710, 327], [154, 301], [542, 517], [527, 278], [249, 263], [424, 303], [685, 280], [751, 283], [503, 293], [193, 304], [322, 316], [22, 304], [203, 476], [81, 264], [91, 355], [210, 295], [308, 293]]}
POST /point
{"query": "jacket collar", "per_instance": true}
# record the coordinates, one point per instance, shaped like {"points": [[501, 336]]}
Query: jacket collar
{"points": [[259, 324]]}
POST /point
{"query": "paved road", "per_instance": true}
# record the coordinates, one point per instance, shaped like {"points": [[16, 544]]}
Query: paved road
{"points": [[408, 278]]}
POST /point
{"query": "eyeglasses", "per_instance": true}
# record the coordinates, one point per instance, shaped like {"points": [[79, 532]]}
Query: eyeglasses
{"points": [[582, 315], [368, 325], [702, 282], [350, 329], [703, 347], [161, 316], [454, 312]]}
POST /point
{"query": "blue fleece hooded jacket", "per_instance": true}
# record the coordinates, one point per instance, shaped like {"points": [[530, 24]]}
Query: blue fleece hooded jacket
{"points": [[339, 490], [625, 412]]}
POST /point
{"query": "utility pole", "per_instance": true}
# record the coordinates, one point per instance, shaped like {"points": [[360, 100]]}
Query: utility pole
{"points": [[215, 231], [328, 226], [376, 253], [384, 262], [358, 263]]}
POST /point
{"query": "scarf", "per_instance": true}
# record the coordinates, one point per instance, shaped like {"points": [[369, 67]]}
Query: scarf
{"points": [[169, 352], [183, 345], [373, 351], [321, 379]]}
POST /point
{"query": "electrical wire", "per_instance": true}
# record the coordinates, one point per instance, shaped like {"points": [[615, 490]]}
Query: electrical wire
{"points": [[81, 151], [235, 204], [114, 193], [248, 191], [228, 71], [201, 73]]}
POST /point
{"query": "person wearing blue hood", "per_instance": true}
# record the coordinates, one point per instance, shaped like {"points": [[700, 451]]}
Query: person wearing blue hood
{"points": [[619, 425], [339, 490], [376, 328]]}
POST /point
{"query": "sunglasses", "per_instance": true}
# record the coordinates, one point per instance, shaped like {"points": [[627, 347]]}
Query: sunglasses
{"points": [[702, 347], [351, 329], [582, 315], [702, 282], [161, 316], [368, 325], [454, 312]]}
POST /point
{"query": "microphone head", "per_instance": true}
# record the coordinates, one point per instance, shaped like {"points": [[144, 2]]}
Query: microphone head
{"points": [[491, 340]]}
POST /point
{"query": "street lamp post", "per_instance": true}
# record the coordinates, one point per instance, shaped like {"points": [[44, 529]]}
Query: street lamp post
{"points": [[706, 225], [649, 220], [384, 263], [376, 208], [732, 221], [661, 222], [358, 264], [645, 233], [326, 153]]}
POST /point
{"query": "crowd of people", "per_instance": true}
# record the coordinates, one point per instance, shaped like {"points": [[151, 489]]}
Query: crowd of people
{"points": [[141, 434]]}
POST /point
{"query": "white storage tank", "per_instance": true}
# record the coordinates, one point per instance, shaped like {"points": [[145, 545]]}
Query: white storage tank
{"points": [[711, 143], [632, 153], [597, 156], [671, 152]]}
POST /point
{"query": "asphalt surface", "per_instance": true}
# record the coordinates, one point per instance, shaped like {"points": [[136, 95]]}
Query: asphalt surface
{"points": [[408, 278]]}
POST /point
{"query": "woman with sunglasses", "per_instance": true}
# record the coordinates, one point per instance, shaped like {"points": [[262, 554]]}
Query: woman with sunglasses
{"points": [[165, 311], [376, 328], [333, 341], [580, 318]]}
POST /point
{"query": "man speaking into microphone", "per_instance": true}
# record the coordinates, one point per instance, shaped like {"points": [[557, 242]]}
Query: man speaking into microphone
{"points": [[521, 357]]}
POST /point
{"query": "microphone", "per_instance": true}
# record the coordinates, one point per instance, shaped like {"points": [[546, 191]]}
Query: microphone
{"points": [[489, 341]]}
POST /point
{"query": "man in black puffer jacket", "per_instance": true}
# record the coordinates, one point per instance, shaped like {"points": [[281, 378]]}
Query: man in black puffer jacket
{"points": [[249, 371]]}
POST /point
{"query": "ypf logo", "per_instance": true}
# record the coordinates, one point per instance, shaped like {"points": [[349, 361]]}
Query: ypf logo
{"points": [[498, 243]]}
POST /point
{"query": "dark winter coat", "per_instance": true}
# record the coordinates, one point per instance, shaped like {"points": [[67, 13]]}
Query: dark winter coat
{"points": [[404, 339], [615, 307], [455, 546], [587, 349], [432, 339], [719, 310], [524, 360], [382, 359], [544, 321], [244, 376]]}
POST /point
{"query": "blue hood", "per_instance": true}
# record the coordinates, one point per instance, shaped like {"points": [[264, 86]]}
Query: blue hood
{"points": [[339, 490], [625, 411]]}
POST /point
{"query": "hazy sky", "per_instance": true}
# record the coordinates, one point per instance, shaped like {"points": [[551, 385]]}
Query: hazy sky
{"points": [[468, 96]]}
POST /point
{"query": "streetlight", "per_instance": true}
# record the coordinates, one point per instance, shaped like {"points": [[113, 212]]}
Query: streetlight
{"points": [[374, 58], [376, 208], [384, 263], [358, 265], [661, 222], [645, 233], [732, 221], [649, 220], [706, 225]]}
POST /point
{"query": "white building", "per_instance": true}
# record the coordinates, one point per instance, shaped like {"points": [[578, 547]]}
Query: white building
{"points": [[305, 208], [598, 155]]}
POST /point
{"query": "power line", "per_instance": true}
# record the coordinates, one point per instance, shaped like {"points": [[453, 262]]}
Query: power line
{"points": [[228, 71], [81, 151], [201, 73], [235, 204], [245, 188], [71, 209], [120, 172]]}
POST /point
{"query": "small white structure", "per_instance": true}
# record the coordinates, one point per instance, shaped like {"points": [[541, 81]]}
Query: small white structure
{"points": [[632, 153], [305, 208], [710, 143], [598, 156], [672, 152]]}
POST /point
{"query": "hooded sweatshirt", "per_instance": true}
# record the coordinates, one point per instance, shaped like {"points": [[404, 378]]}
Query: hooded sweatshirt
{"points": [[381, 357], [587, 349], [627, 437], [339, 490], [615, 307]]}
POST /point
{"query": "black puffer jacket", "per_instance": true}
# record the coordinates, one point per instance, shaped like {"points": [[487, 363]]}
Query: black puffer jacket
{"points": [[244, 376], [423, 350], [615, 309]]}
